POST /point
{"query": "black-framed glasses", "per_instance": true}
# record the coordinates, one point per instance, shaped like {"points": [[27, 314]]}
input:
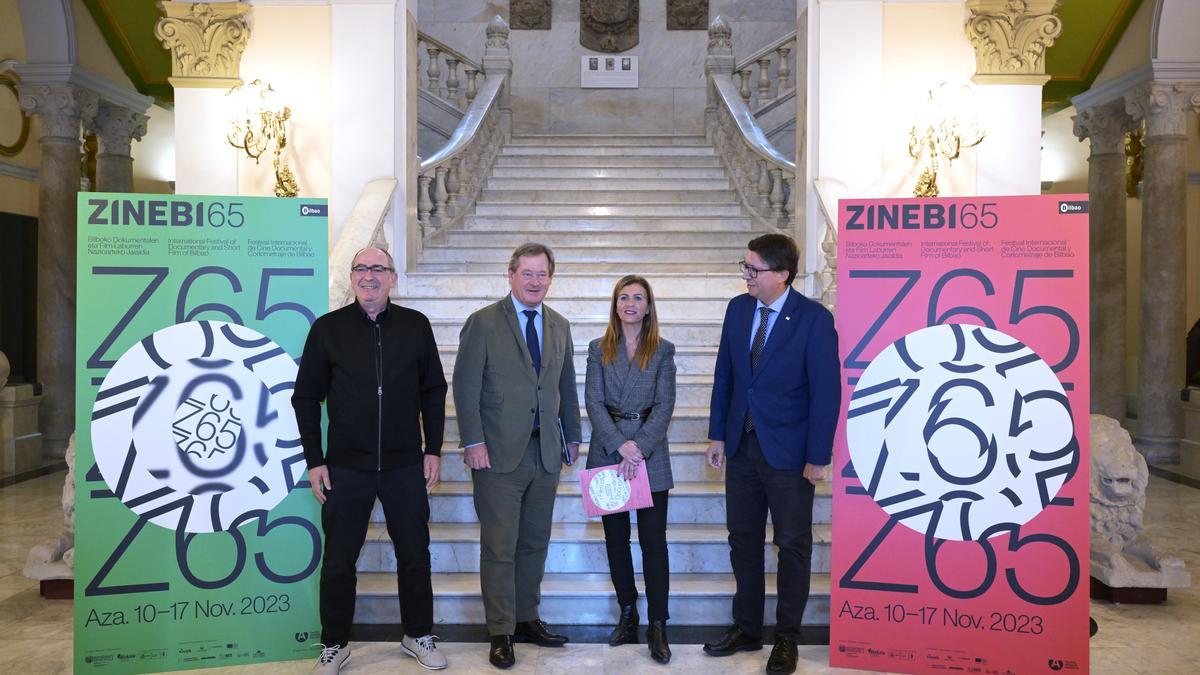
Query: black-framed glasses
{"points": [[377, 269], [751, 270]]}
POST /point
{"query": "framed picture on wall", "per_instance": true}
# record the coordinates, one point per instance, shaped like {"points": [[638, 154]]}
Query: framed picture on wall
{"points": [[608, 72]]}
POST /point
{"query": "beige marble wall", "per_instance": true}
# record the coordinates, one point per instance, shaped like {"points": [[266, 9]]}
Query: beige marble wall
{"points": [[546, 96]]}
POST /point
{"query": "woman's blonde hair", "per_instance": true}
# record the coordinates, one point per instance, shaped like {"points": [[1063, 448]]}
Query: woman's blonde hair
{"points": [[649, 339]]}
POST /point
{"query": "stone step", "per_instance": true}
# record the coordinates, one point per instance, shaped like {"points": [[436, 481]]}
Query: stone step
{"points": [[610, 173], [535, 227], [622, 184], [606, 139], [645, 256], [682, 332], [691, 502], [688, 424], [688, 463], [625, 209], [688, 360], [606, 161], [626, 150], [733, 241], [495, 284], [669, 308], [580, 599], [588, 196], [579, 548]]}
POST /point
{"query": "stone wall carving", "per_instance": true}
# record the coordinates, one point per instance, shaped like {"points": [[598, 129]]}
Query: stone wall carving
{"points": [[529, 14], [608, 25], [1010, 37], [687, 14], [206, 40]]}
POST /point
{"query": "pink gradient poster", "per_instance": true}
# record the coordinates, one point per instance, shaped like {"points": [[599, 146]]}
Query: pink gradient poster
{"points": [[960, 527]]}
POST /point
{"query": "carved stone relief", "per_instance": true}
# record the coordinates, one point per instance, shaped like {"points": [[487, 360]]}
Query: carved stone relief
{"points": [[608, 25], [687, 14], [529, 14]]}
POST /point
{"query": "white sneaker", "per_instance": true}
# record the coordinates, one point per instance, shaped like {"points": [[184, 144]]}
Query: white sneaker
{"points": [[332, 659], [424, 650]]}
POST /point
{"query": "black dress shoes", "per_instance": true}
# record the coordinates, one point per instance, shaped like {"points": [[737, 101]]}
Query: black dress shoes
{"points": [[501, 654], [656, 639], [538, 633], [783, 656], [733, 641], [626, 631]]}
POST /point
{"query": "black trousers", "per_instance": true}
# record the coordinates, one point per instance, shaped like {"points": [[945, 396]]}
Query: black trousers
{"points": [[345, 517], [652, 536], [752, 487]]}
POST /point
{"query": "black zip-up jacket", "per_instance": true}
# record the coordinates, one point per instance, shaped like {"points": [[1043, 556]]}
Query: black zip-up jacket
{"points": [[380, 380]]}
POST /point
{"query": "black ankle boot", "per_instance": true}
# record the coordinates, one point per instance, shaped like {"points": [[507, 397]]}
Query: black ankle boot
{"points": [[656, 639], [626, 631]]}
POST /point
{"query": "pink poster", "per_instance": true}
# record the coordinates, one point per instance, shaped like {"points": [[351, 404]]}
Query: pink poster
{"points": [[960, 526]]}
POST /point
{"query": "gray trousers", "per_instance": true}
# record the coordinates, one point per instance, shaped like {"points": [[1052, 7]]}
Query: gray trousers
{"points": [[515, 512]]}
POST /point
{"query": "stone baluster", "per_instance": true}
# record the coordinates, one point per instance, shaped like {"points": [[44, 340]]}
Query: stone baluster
{"points": [[1164, 107], [764, 81], [744, 88], [777, 195], [472, 86], [1105, 126], [763, 188], [453, 185], [61, 108], [440, 196], [789, 206], [116, 128], [434, 71], [452, 80], [783, 73], [829, 247], [718, 63], [424, 204], [497, 61]]}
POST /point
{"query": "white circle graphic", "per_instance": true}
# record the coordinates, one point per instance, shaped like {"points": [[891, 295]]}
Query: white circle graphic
{"points": [[193, 426], [608, 490], [961, 432]]}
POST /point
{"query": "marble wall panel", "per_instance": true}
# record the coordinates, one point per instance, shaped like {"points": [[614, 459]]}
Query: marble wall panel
{"points": [[460, 10], [592, 111], [759, 10], [689, 110], [531, 110]]}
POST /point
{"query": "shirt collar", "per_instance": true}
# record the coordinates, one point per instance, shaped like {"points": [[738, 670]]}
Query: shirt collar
{"points": [[521, 307], [776, 306]]}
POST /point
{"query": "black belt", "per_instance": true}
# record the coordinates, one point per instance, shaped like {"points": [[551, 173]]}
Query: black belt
{"points": [[617, 415]]}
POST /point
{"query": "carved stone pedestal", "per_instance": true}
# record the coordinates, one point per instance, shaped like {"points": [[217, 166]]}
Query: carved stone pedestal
{"points": [[20, 440]]}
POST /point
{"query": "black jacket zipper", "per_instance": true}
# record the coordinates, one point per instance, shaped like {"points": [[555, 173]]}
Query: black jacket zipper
{"points": [[378, 396]]}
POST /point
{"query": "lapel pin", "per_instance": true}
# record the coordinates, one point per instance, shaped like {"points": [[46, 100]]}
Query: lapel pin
{"points": [[787, 318]]}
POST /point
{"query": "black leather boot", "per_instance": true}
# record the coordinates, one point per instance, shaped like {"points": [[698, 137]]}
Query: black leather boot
{"points": [[656, 639], [627, 626]]}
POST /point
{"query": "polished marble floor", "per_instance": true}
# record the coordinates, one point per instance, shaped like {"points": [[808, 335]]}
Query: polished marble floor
{"points": [[1141, 640]]}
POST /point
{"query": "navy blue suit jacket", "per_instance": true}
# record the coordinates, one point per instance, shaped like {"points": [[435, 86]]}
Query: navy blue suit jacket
{"points": [[794, 395]]}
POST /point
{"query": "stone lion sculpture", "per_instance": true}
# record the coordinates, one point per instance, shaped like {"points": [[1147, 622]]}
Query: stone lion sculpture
{"points": [[56, 559], [1122, 555]]}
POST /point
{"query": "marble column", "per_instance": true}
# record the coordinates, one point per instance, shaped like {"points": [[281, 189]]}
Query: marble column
{"points": [[1165, 108], [61, 108], [1105, 126], [116, 128]]}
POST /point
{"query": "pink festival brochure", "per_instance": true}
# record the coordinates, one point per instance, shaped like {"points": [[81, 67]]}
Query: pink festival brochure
{"points": [[605, 491]]}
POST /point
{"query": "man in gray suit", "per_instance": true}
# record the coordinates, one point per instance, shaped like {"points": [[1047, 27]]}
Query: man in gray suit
{"points": [[514, 391]]}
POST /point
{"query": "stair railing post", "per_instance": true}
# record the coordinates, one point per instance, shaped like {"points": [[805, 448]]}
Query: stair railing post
{"points": [[718, 63], [776, 196], [764, 82], [497, 62], [452, 81], [434, 71], [472, 87], [784, 71], [453, 185], [440, 197], [424, 204]]}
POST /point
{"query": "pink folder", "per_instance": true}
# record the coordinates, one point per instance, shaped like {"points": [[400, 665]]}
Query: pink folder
{"points": [[605, 491]]}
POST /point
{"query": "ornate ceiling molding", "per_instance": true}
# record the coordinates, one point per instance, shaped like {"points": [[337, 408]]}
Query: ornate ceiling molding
{"points": [[1010, 37], [206, 41]]}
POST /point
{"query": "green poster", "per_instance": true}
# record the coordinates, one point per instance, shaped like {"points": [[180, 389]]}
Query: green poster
{"points": [[197, 538]]}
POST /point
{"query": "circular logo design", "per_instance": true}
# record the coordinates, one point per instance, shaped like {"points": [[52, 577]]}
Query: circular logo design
{"points": [[193, 427], [608, 489], [958, 429]]}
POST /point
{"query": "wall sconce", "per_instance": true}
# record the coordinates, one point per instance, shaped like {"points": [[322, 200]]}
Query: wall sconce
{"points": [[944, 129], [261, 124]]}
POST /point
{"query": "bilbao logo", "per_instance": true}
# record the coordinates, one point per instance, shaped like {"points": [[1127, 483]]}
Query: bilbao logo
{"points": [[961, 432], [193, 426]]}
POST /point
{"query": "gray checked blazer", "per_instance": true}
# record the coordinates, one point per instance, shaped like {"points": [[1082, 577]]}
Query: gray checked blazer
{"points": [[623, 385]]}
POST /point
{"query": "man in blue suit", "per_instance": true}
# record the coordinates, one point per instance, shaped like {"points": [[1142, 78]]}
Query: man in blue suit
{"points": [[775, 402]]}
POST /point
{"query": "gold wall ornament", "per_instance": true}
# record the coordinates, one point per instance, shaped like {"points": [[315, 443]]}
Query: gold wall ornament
{"points": [[943, 130], [687, 14], [1135, 160], [529, 14], [608, 25], [206, 41], [261, 124], [1010, 37], [9, 82]]}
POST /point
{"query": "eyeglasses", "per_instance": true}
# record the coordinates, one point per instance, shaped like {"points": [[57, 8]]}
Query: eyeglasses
{"points": [[377, 269], [752, 271]]}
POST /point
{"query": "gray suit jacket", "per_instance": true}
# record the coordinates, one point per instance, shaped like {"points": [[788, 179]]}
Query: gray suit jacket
{"points": [[623, 385], [496, 387]]}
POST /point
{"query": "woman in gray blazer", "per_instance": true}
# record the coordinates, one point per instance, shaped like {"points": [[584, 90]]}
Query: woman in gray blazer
{"points": [[630, 396]]}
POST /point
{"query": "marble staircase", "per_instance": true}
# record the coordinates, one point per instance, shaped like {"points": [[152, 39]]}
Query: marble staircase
{"points": [[660, 206]]}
